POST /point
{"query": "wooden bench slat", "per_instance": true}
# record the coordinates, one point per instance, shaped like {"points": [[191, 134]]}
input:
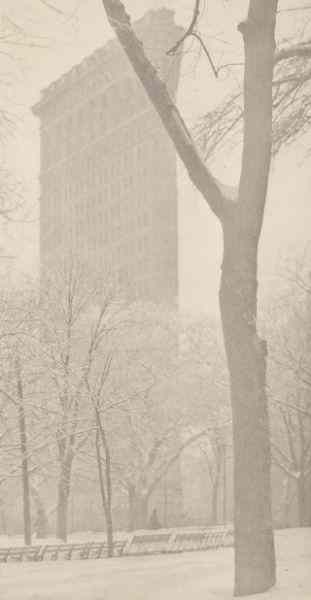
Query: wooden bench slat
{"points": [[4, 553], [148, 543]]}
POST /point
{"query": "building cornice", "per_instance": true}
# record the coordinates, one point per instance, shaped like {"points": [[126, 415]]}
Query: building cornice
{"points": [[104, 64]]}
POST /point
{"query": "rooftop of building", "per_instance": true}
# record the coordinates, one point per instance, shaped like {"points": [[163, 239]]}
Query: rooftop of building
{"points": [[102, 57]]}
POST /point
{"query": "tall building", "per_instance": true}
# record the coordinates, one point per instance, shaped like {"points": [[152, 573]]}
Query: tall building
{"points": [[109, 180], [108, 168]]}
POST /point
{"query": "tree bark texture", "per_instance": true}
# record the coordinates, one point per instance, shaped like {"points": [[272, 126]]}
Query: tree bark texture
{"points": [[246, 355], [246, 352]]}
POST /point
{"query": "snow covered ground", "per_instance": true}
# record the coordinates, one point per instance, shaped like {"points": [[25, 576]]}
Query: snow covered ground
{"points": [[198, 575]]}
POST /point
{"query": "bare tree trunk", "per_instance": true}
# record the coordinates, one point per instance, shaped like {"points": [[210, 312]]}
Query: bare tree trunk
{"points": [[105, 489], [303, 489], [138, 510], [25, 477], [3, 519], [215, 487], [242, 222], [165, 502], [303, 502], [41, 526], [246, 354], [63, 500], [109, 527], [287, 503], [62, 513], [224, 504], [308, 493], [24, 455], [214, 511]]}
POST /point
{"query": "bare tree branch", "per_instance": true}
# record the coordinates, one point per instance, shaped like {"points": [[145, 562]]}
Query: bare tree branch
{"points": [[171, 118], [302, 50]]}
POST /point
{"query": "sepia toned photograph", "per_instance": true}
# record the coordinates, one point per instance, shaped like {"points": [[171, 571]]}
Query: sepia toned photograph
{"points": [[155, 299]]}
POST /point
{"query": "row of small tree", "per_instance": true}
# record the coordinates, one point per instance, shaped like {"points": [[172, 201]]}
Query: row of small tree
{"points": [[100, 391], [90, 384]]}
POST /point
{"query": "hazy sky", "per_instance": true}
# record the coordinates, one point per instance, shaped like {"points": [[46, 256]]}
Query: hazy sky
{"points": [[59, 41]]}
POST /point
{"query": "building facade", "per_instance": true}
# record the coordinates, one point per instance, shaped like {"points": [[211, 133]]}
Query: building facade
{"points": [[108, 181], [108, 168]]}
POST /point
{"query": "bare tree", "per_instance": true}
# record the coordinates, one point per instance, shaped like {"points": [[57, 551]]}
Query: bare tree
{"points": [[97, 372], [158, 421], [64, 308], [24, 452], [213, 451], [17, 401], [16, 390], [290, 380], [241, 218], [222, 127], [291, 451]]}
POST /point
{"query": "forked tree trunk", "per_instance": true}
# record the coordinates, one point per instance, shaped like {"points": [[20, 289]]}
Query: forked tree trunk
{"points": [[246, 352], [242, 223], [246, 355]]}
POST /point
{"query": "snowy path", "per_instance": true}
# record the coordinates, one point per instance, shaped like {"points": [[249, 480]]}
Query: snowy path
{"points": [[198, 575]]}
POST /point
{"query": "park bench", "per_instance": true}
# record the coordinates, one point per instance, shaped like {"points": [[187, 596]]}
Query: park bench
{"points": [[212, 537], [139, 543], [118, 547], [4, 553], [216, 537], [20, 553], [229, 537], [53, 551], [81, 551], [148, 543], [186, 541], [100, 549], [66, 551]]}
